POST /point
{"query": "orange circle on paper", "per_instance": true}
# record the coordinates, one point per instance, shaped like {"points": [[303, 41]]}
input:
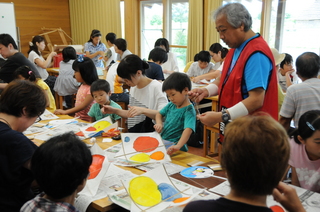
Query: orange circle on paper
{"points": [[182, 199], [157, 155], [145, 144], [276, 208], [96, 166]]}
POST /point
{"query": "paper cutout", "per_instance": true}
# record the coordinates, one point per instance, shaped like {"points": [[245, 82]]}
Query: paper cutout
{"points": [[142, 148], [97, 171], [145, 144], [140, 157], [144, 191], [168, 192], [96, 166], [157, 155], [97, 128], [155, 191], [197, 172]]}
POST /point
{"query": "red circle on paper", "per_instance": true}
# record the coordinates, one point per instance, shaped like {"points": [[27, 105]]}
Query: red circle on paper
{"points": [[276, 208], [96, 166], [145, 144]]}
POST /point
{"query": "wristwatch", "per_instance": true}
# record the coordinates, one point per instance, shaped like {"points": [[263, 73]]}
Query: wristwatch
{"points": [[225, 116]]}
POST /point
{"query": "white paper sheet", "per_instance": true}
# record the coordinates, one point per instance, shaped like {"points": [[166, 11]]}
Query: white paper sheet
{"points": [[133, 150]]}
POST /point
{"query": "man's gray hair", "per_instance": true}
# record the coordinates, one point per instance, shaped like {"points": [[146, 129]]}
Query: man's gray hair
{"points": [[236, 14]]}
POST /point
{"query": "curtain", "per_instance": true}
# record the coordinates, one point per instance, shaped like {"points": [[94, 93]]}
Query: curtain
{"points": [[210, 32], [88, 15], [195, 28]]}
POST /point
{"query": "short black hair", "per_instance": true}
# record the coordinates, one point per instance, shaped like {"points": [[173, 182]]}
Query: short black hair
{"points": [[87, 70], [287, 60], [121, 44], [22, 96], [69, 53], [196, 57], [111, 37], [61, 164], [204, 56], [6, 39], [162, 42], [177, 81], [308, 65], [130, 65], [100, 85], [158, 55]]}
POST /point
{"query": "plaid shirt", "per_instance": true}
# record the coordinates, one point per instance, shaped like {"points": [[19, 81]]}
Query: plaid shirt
{"points": [[40, 204]]}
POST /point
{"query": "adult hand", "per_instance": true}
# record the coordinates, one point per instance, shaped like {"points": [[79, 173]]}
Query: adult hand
{"points": [[158, 127], [60, 112], [134, 111], [101, 53], [287, 197], [172, 149], [210, 118], [52, 54], [198, 94], [107, 109], [165, 71]]}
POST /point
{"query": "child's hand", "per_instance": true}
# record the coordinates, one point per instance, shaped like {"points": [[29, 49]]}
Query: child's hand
{"points": [[195, 79], [172, 149], [158, 127], [60, 112], [107, 109], [287, 197], [134, 111]]}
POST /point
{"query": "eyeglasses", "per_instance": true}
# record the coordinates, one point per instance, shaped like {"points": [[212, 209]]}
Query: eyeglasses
{"points": [[38, 119]]}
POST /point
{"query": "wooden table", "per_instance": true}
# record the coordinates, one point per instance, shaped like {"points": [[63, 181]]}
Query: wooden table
{"points": [[100, 71], [180, 158]]}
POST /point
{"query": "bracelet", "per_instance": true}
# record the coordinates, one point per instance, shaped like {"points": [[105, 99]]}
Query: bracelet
{"points": [[212, 89], [238, 110]]}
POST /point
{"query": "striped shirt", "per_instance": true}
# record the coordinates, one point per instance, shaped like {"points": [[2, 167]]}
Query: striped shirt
{"points": [[301, 98]]}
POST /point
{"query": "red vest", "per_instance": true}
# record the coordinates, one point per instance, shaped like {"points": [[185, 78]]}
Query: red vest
{"points": [[230, 92]]}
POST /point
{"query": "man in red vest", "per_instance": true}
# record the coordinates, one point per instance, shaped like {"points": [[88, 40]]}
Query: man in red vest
{"points": [[248, 80]]}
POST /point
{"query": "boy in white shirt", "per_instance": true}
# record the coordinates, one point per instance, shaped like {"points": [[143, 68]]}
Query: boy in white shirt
{"points": [[202, 66]]}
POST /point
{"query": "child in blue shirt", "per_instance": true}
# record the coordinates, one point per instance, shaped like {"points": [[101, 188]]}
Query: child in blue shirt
{"points": [[179, 113], [100, 91]]}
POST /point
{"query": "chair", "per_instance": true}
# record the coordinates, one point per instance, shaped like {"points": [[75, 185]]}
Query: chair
{"points": [[124, 106]]}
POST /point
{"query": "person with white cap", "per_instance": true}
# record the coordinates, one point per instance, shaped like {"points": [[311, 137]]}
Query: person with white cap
{"points": [[277, 59]]}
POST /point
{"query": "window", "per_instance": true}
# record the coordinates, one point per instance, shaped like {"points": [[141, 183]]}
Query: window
{"points": [[297, 26], [151, 25], [176, 27]]}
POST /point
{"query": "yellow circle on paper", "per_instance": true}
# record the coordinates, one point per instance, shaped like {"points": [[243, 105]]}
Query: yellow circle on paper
{"points": [[101, 125], [140, 157], [144, 191]]}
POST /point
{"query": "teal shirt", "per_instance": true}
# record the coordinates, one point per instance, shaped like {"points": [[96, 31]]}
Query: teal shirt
{"points": [[95, 112], [176, 120]]}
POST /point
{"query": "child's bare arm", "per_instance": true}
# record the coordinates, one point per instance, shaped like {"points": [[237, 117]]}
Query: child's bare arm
{"points": [[158, 125], [92, 119], [107, 109], [182, 141], [87, 101], [287, 197]]}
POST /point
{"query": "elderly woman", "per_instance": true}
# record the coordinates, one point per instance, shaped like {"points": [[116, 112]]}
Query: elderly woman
{"points": [[21, 103]]}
